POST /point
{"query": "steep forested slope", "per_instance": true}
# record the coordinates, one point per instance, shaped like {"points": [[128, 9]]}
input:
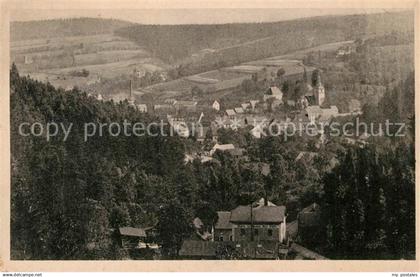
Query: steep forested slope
{"points": [[68, 195]]}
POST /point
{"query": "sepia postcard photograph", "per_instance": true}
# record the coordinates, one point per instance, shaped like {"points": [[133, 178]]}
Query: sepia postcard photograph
{"points": [[265, 134]]}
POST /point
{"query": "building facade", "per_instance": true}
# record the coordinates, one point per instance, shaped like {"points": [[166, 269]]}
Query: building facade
{"points": [[261, 223]]}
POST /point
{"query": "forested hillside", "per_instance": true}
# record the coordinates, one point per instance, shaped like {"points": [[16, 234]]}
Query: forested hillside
{"points": [[239, 41], [369, 204], [43, 29], [369, 199], [67, 196]]}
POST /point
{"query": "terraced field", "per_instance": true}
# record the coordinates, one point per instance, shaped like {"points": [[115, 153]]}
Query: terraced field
{"points": [[103, 56]]}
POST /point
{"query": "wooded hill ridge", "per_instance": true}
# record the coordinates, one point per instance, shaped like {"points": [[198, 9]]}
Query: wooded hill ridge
{"points": [[236, 40], [43, 29], [232, 41]]}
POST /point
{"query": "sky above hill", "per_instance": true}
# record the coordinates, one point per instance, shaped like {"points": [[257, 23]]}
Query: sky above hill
{"points": [[188, 16]]}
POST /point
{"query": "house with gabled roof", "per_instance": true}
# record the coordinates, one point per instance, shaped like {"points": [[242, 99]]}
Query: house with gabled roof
{"points": [[253, 104], [273, 92], [142, 108], [265, 223], [216, 105], [239, 110], [256, 231], [257, 222], [246, 106], [221, 147], [230, 113]]}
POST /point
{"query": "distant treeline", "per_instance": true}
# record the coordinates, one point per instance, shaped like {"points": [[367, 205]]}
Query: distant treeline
{"points": [[242, 41], [63, 27]]}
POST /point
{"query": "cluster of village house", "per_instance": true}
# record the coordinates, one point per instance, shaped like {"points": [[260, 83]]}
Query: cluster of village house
{"points": [[308, 109], [188, 119], [256, 231]]}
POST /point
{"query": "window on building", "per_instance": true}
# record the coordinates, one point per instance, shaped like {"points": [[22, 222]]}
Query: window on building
{"points": [[242, 232], [255, 232], [221, 238], [270, 232], [231, 238]]}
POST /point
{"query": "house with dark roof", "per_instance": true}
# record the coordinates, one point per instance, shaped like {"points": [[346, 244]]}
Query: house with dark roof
{"points": [[257, 222], [257, 231]]}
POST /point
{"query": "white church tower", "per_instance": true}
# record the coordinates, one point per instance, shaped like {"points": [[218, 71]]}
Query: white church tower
{"points": [[319, 91]]}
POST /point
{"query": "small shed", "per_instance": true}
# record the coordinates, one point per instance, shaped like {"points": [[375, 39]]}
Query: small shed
{"points": [[130, 237]]}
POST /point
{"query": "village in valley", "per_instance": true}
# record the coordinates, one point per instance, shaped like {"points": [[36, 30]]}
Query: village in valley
{"points": [[251, 168], [200, 119], [258, 230]]}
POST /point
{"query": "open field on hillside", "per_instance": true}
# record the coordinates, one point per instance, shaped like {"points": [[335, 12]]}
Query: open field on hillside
{"points": [[59, 60], [181, 85], [221, 74], [66, 83], [65, 40], [300, 54], [115, 69], [227, 78], [111, 56]]}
